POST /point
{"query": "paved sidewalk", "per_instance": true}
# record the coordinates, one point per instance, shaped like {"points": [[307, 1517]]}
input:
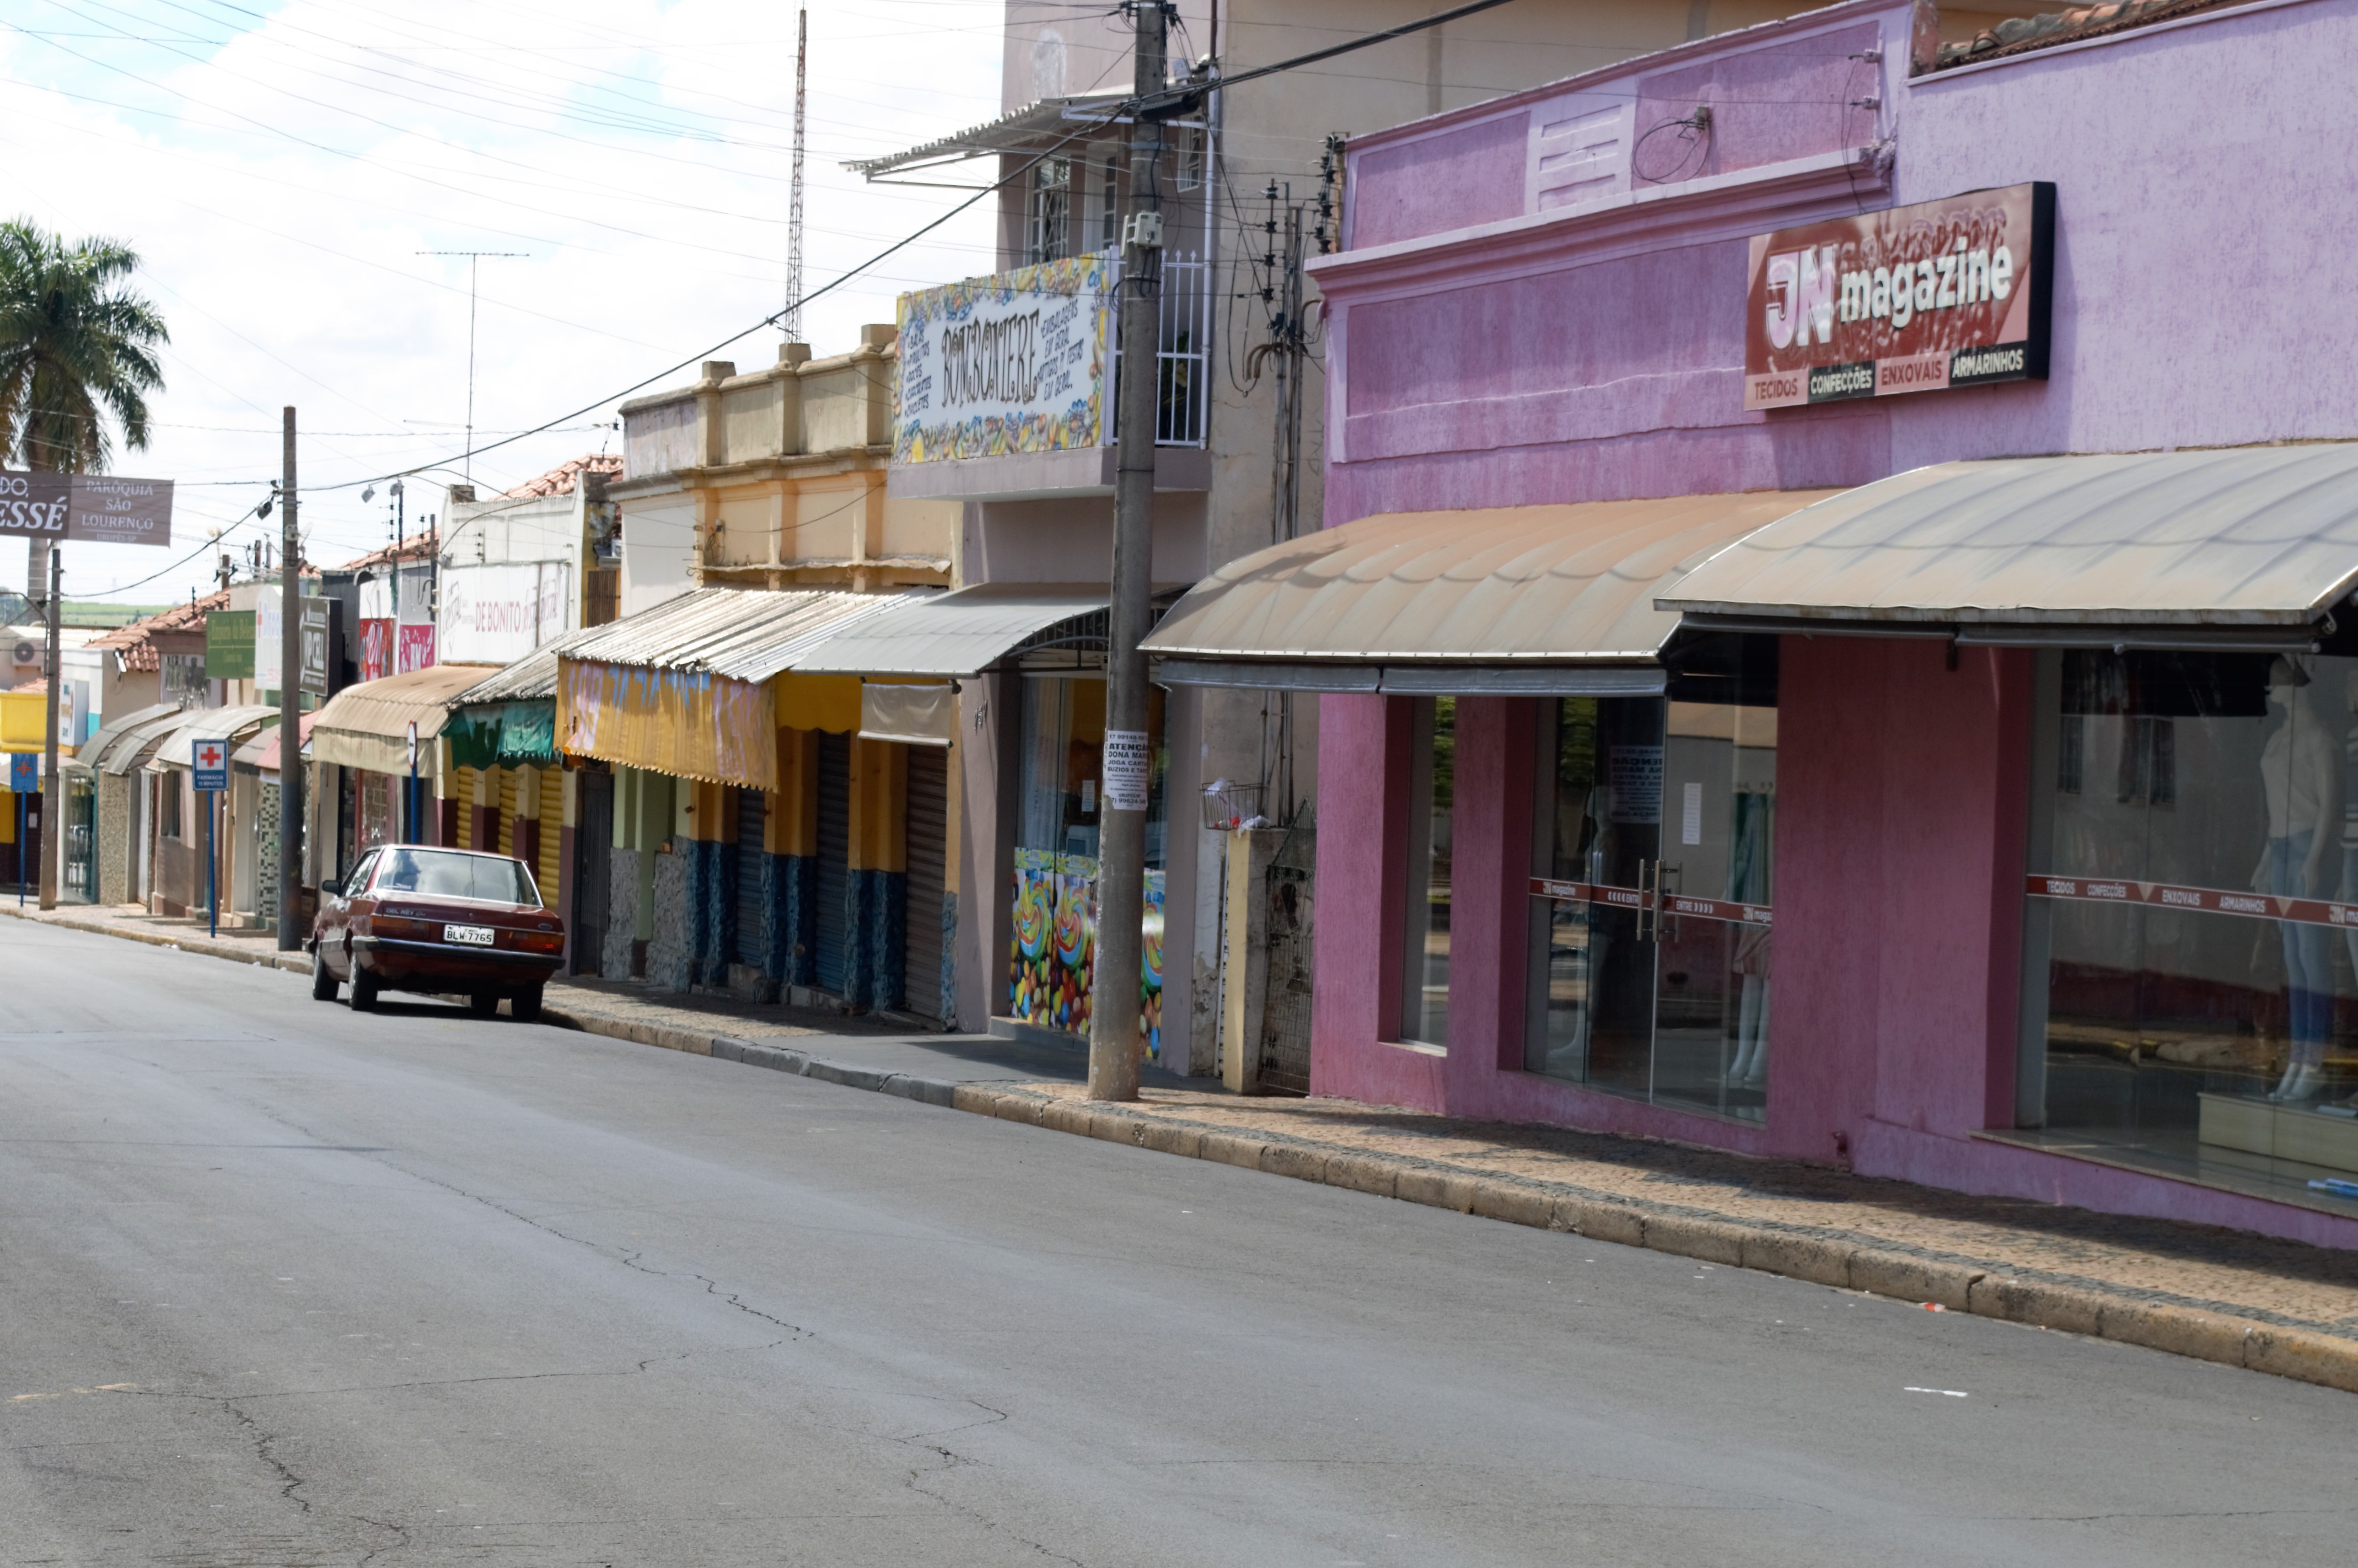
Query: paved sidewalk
{"points": [[2272, 1305]]}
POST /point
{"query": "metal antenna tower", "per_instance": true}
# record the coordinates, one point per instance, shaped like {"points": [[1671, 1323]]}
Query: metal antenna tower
{"points": [[794, 318], [474, 259]]}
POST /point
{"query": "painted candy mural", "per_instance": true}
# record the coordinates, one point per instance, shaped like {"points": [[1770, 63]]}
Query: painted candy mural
{"points": [[1054, 946]]}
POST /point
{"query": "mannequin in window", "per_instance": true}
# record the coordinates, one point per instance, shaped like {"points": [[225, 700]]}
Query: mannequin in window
{"points": [[2300, 774]]}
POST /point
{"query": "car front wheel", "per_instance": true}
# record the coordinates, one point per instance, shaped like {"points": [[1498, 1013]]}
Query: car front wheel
{"points": [[323, 979]]}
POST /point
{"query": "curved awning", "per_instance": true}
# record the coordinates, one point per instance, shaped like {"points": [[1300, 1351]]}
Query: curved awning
{"points": [[171, 744], [1533, 598], [2204, 548], [92, 751], [367, 726]]}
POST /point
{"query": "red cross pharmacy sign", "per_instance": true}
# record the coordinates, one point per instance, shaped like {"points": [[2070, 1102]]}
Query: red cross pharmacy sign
{"points": [[211, 765]]}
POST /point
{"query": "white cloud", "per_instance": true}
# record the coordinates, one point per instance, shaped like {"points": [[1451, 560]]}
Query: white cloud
{"points": [[279, 169]]}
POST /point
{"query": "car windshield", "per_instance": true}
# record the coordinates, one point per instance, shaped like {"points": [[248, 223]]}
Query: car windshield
{"points": [[447, 874]]}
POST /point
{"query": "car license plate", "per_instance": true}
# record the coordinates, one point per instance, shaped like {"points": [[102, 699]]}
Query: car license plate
{"points": [[474, 936]]}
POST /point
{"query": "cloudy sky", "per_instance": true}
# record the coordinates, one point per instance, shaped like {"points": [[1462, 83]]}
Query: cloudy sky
{"points": [[280, 168]]}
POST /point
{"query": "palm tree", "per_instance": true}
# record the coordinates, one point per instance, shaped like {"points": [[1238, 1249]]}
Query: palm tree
{"points": [[75, 345]]}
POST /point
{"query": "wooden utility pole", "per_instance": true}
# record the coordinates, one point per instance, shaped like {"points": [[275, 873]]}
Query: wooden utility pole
{"points": [[1128, 757], [52, 797], [290, 700]]}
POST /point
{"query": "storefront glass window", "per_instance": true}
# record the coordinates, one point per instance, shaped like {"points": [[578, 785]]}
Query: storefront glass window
{"points": [[1057, 856], [2193, 916], [1652, 885], [1433, 791]]}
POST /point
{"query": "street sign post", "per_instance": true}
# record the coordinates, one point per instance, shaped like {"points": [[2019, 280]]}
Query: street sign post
{"points": [[412, 837], [210, 765], [24, 778]]}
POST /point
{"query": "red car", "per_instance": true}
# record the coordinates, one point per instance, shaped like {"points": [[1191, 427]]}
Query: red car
{"points": [[438, 921]]}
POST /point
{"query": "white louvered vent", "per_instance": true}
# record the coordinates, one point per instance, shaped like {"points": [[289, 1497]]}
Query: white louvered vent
{"points": [[1579, 150]]}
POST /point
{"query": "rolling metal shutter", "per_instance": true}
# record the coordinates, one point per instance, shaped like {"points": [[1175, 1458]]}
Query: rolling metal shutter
{"points": [[506, 830], [550, 864], [928, 856], [467, 782], [592, 872], [753, 808], [834, 857]]}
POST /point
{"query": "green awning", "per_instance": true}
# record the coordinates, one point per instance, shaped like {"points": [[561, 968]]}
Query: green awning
{"points": [[503, 735]]}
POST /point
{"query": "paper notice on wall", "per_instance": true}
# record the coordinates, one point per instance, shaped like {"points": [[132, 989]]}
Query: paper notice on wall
{"points": [[1635, 775], [1129, 769], [1691, 813]]}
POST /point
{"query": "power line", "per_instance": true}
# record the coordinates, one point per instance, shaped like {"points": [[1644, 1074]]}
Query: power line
{"points": [[1160, 106]]}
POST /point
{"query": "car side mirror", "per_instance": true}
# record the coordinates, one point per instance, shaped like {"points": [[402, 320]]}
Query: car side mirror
{"points": [[333, 887]]}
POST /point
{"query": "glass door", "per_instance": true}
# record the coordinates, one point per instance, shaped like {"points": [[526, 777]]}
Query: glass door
{"points": [[1651, 887]]}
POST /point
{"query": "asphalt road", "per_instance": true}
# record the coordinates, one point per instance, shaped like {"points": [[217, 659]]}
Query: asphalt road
{"points": [[280, 1284]]}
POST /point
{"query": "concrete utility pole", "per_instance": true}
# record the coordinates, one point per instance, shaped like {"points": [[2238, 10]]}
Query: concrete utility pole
{"points": [[52, 797], [1128, 757], [291, 700]]}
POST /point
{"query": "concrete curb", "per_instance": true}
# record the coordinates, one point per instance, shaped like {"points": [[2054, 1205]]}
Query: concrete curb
{"points": [[1933, 1280], [298, 963], [753, 1054]]}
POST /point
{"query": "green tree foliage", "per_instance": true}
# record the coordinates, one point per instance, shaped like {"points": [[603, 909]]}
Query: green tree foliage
{"points": [[75, 346]]}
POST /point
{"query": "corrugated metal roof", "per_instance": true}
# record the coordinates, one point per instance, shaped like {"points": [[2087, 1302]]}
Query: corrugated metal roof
{"points": [[1512, 586], [532, 678], [1017, 130], [743, 633], [2252, 536], [951, 635]]}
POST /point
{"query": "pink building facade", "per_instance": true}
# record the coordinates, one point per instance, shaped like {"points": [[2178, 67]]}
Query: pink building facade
{"points": [[1543, 301]]}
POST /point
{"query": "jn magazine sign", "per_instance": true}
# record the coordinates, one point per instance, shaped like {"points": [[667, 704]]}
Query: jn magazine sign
{"points": [[1919, 298], [95, 509]]}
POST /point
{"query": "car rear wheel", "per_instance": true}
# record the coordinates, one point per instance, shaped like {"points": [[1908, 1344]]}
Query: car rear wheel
{"points": [[323, 979], [525, 1006], [365, 989], [484, 1004]]}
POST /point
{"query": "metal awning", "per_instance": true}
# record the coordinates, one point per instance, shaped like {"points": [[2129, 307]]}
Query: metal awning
{"points": [[948, 635], [92, 751], [1023, 130], [1521, 599], [367, 726], [742, 634], [261, 754], [2247, 547], [532, 678], [170, 745]]}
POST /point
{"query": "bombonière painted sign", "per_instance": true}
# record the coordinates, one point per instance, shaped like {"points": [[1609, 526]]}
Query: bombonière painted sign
{"points": [[1922, 298], [86, 508], [1011, 364]]}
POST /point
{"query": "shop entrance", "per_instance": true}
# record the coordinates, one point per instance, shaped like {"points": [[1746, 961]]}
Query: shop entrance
{"points": [[1051, 971], [1650, 892]]}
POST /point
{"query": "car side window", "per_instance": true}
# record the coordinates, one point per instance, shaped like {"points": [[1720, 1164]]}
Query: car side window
{"points": [[358, 880]]}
